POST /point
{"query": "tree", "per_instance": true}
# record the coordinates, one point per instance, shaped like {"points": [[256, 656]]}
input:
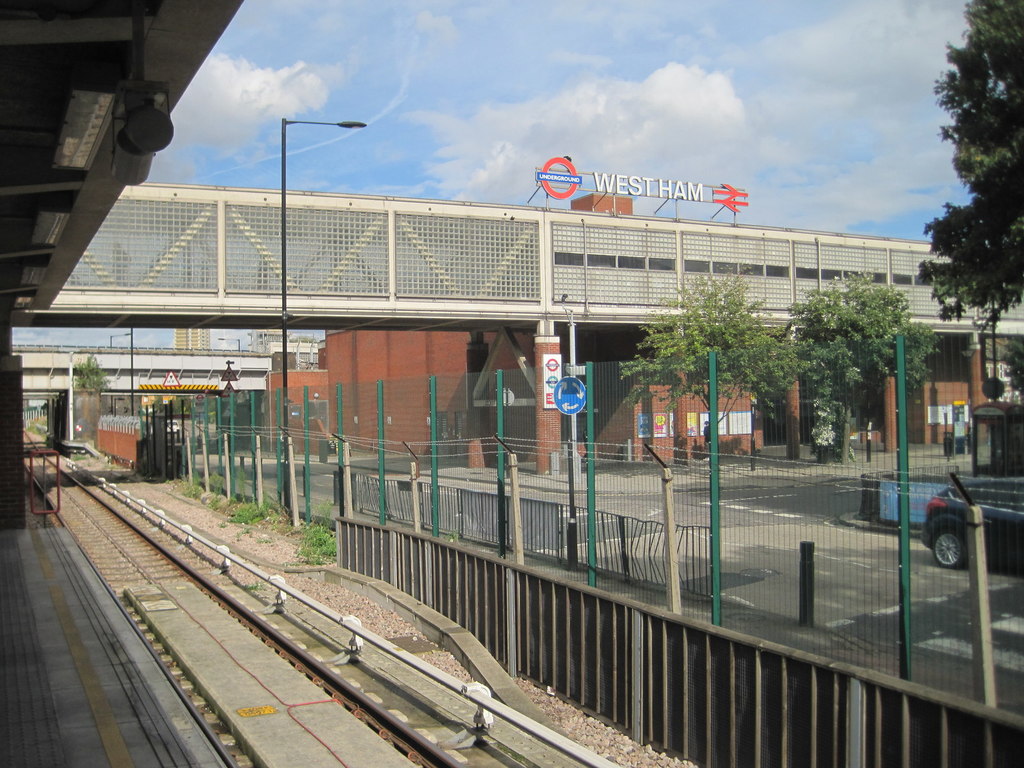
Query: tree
{"points": [[89, 376], [982, 242], [715, 314], [846, 335]]}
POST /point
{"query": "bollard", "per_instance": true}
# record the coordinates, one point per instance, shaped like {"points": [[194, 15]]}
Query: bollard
{"points": [[806, 583]]}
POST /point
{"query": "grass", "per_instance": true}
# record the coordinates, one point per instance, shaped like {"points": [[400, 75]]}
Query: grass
{"points": [[318, 545]]}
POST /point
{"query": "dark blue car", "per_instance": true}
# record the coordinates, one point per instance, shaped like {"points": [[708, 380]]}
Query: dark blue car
{"points": [[1002, 507]]}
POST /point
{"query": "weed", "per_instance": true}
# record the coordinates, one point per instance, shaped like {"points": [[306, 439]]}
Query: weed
{"points": [[248, 513], [217, 483], [192, 490], [318, 545]]}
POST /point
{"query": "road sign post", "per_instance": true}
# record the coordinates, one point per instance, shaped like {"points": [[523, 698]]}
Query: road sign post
{"points": [[570, 396]]}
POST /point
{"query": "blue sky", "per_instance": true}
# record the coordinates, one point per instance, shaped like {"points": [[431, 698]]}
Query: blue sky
{"points": [[824, 112]]}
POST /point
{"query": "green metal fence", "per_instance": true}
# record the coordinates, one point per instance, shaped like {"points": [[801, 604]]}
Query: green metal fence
{"points": [[797, 519]]}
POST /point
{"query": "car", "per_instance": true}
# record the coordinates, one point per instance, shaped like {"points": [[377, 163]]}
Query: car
{"points": [[1002, 508]]}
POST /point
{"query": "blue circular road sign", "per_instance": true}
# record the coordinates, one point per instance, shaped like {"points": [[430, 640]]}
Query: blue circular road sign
{"points": [[570, 395]]}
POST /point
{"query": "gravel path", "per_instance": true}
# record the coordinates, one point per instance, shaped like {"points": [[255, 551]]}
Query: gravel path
{"points": [[279, 544]]}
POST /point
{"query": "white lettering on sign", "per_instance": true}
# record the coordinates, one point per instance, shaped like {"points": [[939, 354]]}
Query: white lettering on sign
{"points": [[646, 186]]}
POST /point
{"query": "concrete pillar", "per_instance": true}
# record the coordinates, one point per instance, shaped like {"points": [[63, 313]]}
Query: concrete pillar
{"points": [[549, 435], [12, 468], [793, 422]]}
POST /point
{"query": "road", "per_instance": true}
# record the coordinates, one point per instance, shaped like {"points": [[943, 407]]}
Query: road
{"points": [[764, 519]]}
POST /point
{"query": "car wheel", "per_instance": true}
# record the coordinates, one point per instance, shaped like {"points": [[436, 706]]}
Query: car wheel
{"points": [[949, 549]]}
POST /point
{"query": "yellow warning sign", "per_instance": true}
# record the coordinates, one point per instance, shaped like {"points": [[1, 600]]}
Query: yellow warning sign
{"points": [[256, 711]]}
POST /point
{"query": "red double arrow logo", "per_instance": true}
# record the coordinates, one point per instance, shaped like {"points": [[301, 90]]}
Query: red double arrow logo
{"points": [[730, 198]]}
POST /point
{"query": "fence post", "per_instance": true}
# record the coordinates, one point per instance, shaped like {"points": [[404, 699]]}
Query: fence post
{"points": [[279, 448], [291, 480], [231, 445], [346, 478], [716, 520], [499, 402], [903, 474], [227, 467], [591, 490], [414, 476], [306, 490], [257, 467], [188, 457], [435, 489], [382, 493], [206, 451], [258, 464], [672, 593]]}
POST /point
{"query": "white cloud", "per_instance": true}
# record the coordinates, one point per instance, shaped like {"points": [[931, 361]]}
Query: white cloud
{"points": [[827, 125], [439, 29], [609, 124], [230, 98]]}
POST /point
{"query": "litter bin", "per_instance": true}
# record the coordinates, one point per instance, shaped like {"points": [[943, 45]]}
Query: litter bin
{"points": [[947, 444]]}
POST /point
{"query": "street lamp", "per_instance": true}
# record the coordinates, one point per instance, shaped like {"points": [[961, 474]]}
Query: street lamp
{"points": [[131, 363], [284, 240], [285, 122]]}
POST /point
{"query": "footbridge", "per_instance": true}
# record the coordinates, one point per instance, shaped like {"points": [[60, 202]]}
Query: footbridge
{"points": [[194, 256]]}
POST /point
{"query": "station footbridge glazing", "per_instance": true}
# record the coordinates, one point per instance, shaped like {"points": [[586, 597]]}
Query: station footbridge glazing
{"points": [[188, 256]]}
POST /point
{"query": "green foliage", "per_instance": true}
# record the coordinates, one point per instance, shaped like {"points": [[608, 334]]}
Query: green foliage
{"points": [[192, 490], [248, 513], [318, 545], [983, 241], [715, 314], [846, 335], [89, 376], [217, 483]]}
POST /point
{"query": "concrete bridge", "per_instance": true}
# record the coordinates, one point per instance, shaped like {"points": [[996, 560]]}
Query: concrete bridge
{"points": [[191, 256]]}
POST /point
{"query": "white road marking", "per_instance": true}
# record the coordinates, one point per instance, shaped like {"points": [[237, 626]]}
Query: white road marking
{"points": [[955, 647], [1013, 624]]}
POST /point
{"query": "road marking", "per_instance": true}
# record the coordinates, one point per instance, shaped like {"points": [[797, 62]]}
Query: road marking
{"points": [[787, 514], [954, 647], [1013, 624], [839, 623]]}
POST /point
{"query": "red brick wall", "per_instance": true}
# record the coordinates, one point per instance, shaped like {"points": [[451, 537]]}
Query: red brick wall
{"points": [[121, 446]]}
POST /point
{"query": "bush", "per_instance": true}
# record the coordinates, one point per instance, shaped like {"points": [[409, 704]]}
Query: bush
{"points": [[318, 545]]}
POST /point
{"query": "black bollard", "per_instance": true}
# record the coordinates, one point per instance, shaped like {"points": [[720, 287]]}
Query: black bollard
{"points": [[806, 583]]}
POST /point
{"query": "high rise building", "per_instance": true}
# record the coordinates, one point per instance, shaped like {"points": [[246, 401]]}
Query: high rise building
{"points": [[191, 338]]}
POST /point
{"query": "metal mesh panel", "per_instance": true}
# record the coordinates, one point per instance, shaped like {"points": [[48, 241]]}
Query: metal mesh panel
{"points": [[465, 257], [329, 251], [152, 244]]}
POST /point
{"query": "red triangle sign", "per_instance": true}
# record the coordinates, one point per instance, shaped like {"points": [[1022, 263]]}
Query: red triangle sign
{"points": [[172, 380]]}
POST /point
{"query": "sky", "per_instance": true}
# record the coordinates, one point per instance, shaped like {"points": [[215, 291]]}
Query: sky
{"points": [[824, 112]]}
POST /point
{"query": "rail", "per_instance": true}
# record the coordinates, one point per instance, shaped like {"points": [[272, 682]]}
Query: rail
{"points": [[477, 693]]}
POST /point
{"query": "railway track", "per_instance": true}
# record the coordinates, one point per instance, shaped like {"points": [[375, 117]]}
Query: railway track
{"points": [[427, 716]]}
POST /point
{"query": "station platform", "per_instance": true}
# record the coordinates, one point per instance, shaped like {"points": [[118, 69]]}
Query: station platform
{"points": [[79, 685]]}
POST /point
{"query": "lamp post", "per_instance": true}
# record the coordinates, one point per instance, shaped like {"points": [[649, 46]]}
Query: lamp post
{"points": [[131, 363], [285, 122]]}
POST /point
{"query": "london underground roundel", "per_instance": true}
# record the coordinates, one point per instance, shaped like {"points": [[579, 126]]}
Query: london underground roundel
{"points": [[570, 177]]}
